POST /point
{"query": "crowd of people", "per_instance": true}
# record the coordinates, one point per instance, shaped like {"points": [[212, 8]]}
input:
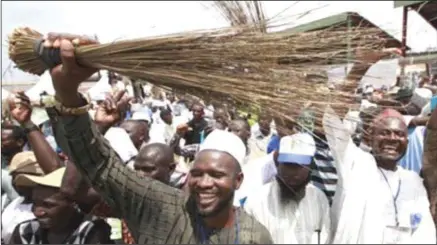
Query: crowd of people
{"points": [[165, 169]]}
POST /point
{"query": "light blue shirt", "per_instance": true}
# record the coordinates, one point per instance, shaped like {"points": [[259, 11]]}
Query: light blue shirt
{"points": [[414, 154]]}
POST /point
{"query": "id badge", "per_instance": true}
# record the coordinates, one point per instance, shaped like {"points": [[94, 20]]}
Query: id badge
{"points": [[396, 235], [116, 229]]}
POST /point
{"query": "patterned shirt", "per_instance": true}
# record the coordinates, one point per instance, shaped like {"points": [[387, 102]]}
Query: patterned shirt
{"points": [[30, 232], [103, 210], [154, 212]]}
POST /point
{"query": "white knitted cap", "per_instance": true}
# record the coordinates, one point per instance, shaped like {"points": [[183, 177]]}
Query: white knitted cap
{"points": [[224, 141]]}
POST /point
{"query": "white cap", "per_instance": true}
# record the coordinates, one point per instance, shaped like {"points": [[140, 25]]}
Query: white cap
{"points": [[141, 115], [158, 103], [366, 104], [136, 107], [298, 148], [369, 90], [421, 97], [224, 141], [98, 96], [121, 143]]}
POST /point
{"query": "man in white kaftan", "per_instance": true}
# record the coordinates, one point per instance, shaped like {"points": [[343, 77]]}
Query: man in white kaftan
{"points": [[373, 203], [300, 218]]}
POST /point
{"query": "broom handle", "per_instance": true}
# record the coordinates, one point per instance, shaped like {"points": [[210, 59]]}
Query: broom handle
{"points": [[50, 56]]}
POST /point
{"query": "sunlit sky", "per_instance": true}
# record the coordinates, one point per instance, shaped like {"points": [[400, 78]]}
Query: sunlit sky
{"points": [[121, 20]]}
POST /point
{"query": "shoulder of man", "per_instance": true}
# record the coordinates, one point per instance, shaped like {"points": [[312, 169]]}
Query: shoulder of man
{"points": [[99, 231], [25, 230], [252, 231], [317, 194]]}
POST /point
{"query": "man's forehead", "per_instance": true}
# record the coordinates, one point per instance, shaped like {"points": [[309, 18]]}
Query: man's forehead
{"points": [[214, 156], [394, 123], [44, 192]]}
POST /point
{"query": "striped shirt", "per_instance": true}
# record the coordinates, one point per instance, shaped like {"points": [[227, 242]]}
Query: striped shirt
{"points": [[323, 174], [30, 232], [155, 213]]}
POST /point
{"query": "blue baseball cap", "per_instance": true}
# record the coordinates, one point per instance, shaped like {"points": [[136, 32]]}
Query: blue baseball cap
{"points": [[298, 148]]}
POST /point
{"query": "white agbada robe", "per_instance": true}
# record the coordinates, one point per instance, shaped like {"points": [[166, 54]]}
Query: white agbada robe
{"points": [[363, 205], [304, 222], [256, 173], [162, 132]]}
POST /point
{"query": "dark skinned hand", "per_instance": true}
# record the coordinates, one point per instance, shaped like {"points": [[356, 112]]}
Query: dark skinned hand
{"points": [[69, 75], [20, 107], [112, 109]]}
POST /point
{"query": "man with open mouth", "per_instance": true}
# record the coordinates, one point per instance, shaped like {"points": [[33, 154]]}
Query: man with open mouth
{"points": [[377, 201], [155, 213], [293, 210]]}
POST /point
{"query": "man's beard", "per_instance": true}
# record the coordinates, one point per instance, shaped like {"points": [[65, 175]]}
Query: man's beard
{"points": [[265, 132], [220, 207], [287, 193]]}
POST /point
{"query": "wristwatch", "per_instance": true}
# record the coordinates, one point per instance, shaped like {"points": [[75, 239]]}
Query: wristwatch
{"points": [[29, 127]]}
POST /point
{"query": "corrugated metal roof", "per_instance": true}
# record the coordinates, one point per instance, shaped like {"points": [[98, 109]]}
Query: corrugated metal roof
{"points": [[323, 23], [339, 20], [398, 4]]}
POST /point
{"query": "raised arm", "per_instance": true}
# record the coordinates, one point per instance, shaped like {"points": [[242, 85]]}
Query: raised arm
{"points": [[339, 141], [429, 168], [21, 111], [364, 60], [136, 199]]}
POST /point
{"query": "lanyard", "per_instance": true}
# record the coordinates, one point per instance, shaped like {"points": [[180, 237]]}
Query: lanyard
{"points": [[205, 239], [395, 197]]}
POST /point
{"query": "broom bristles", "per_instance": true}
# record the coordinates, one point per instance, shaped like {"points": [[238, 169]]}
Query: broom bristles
{"points": [[222, 64], [243, 14]]}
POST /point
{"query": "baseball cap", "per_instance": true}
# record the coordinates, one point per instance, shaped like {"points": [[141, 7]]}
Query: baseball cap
{"points": [[54, 179], [298, 148]]}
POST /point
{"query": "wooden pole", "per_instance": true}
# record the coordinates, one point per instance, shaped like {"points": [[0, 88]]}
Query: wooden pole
{"points": [[403, 79]]}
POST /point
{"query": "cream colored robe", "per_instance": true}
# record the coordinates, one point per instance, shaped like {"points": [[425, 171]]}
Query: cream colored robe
{"points": [[304, 222]]}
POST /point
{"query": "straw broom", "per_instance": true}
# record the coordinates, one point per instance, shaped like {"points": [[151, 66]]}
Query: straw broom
{"points": [[219, 63], [243, 13], [238, 14]]}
